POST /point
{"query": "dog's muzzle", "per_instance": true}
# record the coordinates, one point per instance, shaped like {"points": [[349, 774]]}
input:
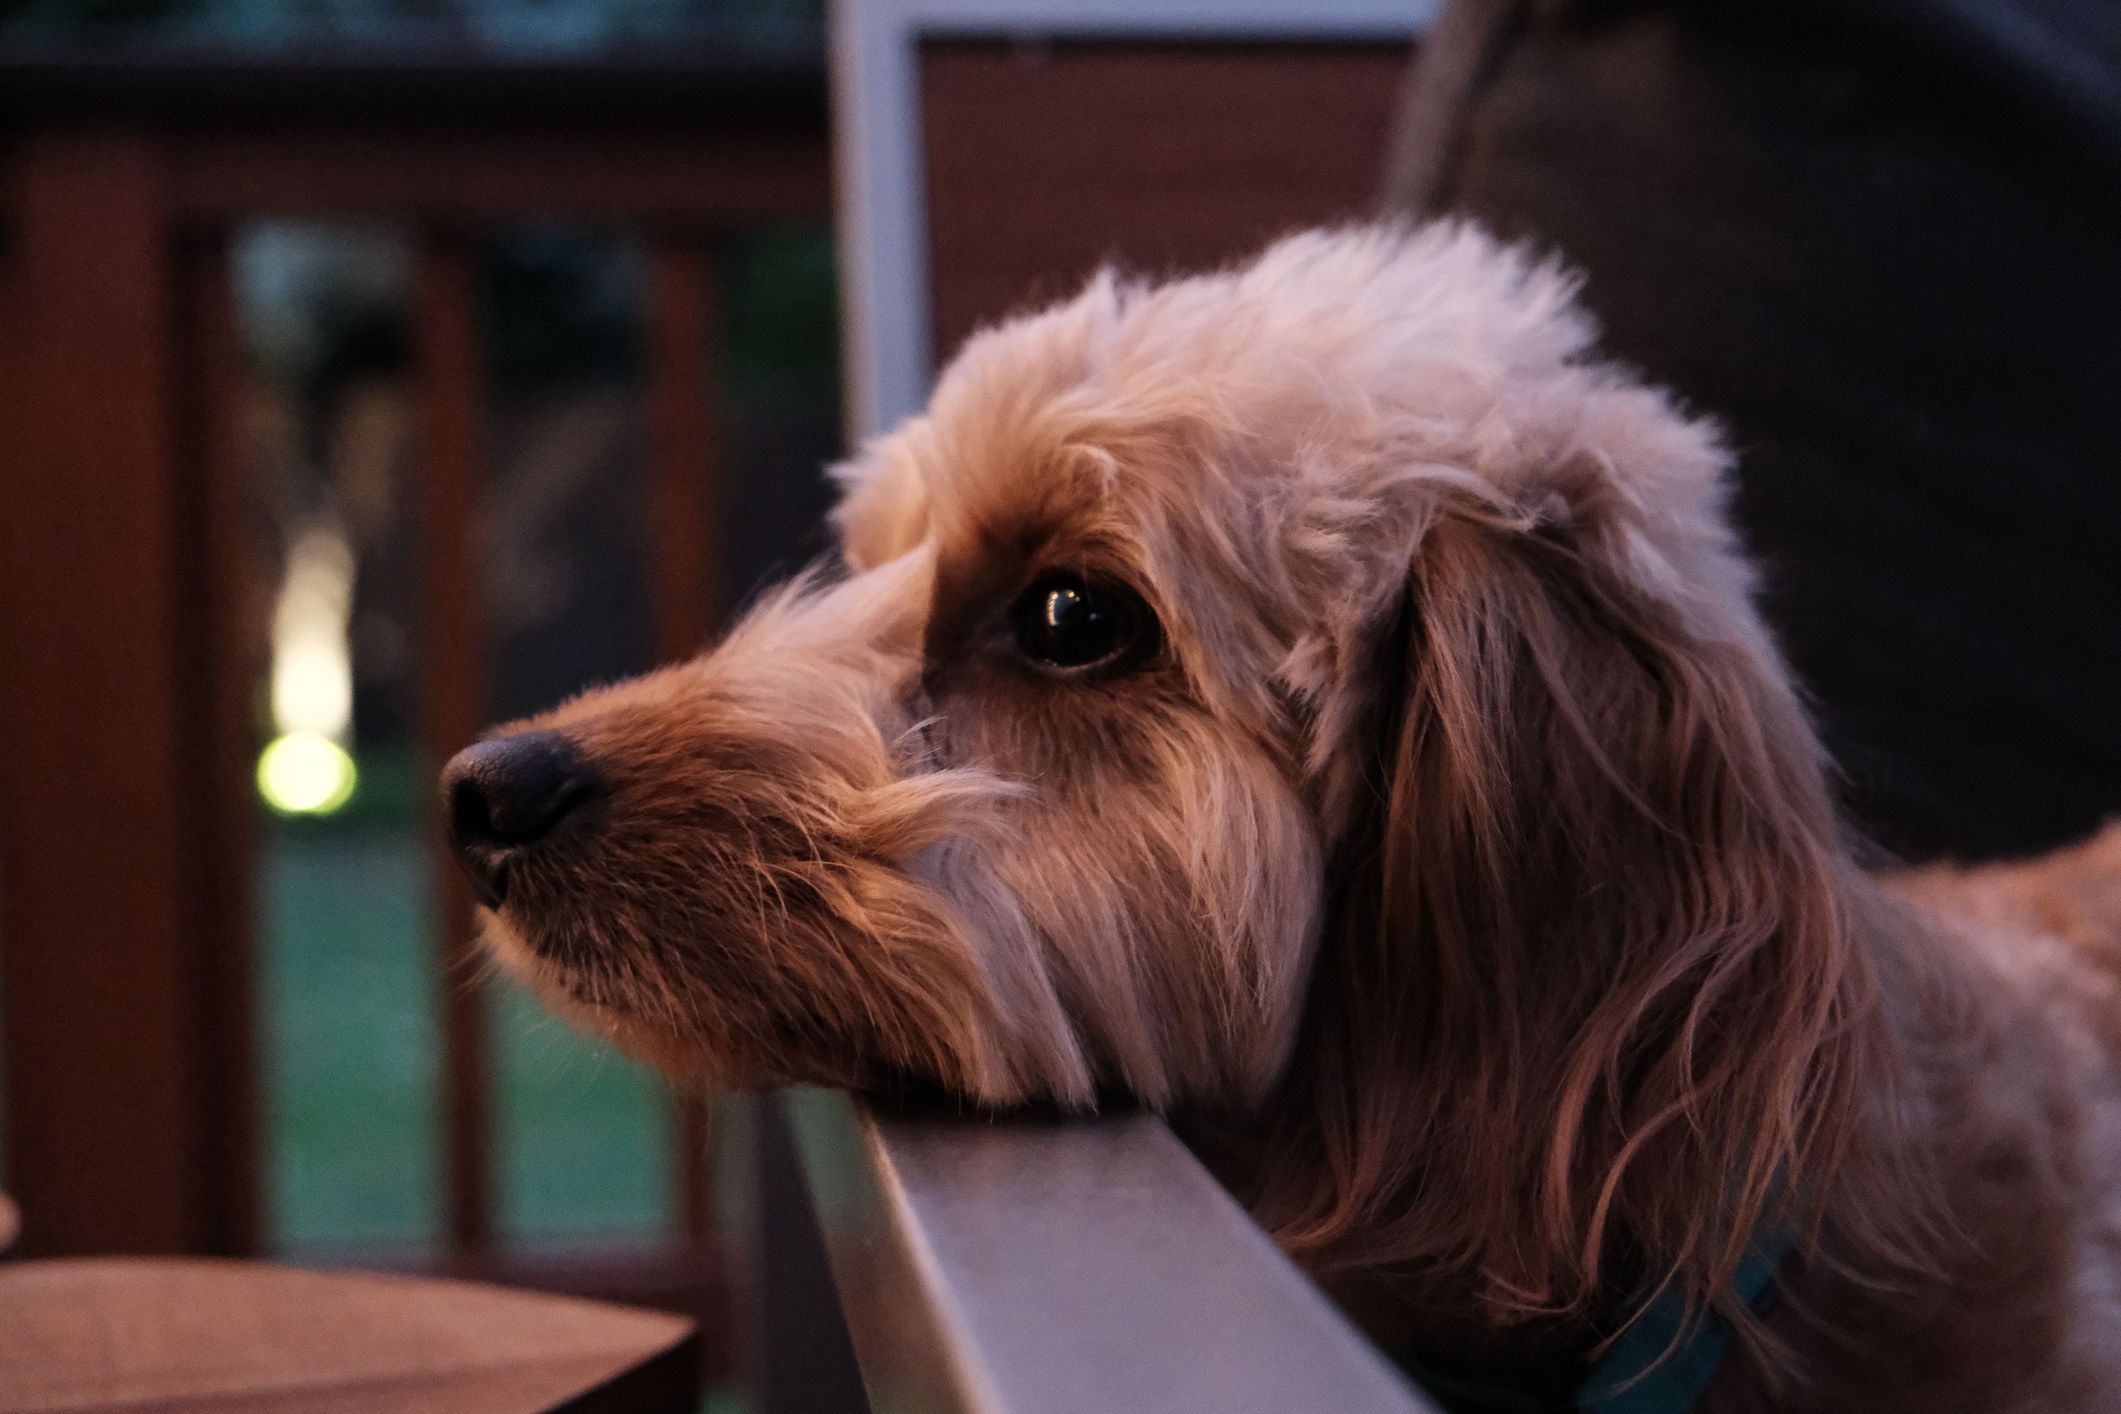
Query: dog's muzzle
{"points": [[508, 796]]}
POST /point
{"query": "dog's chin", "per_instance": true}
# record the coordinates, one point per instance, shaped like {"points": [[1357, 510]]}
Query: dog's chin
{"points": [[599, 1004], [596, 1006]]}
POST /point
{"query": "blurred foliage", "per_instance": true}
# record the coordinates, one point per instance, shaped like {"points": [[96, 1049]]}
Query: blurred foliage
{"points": [[326, 310], [563, 305], [784, 309], [503, 26], [565, 302]]}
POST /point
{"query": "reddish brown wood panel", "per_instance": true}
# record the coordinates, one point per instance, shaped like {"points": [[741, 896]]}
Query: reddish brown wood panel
{"points": [[699, 1280], [221, 653], [241, 1335], [690, 428], [112, 1090], [450, 476], [132, 606], [1044, 161]]}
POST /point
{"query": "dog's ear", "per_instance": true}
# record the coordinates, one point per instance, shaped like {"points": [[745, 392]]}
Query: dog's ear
{"points": [[1585, 1011]]}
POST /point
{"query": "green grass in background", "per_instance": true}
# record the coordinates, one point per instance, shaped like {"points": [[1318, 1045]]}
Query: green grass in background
{"points": [[351, 1039], [352, 1062], [584, 1148]]}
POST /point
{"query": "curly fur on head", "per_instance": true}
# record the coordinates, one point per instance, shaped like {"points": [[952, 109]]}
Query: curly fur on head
{"points": [[1452, 855]]}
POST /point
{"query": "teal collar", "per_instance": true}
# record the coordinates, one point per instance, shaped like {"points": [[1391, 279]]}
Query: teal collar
{"points": [[1661, 1364]]}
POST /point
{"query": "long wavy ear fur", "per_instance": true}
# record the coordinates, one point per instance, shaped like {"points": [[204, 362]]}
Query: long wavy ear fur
{"points": [[1591, 1012]]}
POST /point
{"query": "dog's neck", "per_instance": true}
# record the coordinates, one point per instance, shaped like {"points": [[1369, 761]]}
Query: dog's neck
{"points": [[1449, 1318], [1430, 1317]]}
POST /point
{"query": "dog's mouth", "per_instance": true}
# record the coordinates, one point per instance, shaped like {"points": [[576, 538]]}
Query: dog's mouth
{"points": [[524, 876], [487, 871]]}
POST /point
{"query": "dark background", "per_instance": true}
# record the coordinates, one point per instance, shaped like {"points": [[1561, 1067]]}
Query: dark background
{"points": [[1882, 243]]}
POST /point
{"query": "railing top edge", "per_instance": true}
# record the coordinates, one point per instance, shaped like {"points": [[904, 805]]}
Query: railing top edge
{"points": [[1047, 1266]]}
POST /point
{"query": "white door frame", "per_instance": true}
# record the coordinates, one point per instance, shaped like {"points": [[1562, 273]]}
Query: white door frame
{"points": [[882, 216]]}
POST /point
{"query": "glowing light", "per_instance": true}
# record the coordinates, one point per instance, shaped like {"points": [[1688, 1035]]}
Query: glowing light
{"points": [[312, 662], [306, 769], [306, 773], [312, 689]]}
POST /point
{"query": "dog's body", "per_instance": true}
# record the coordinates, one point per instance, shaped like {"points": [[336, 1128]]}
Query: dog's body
{"points": [[1323, 702], [2013, 1099]]}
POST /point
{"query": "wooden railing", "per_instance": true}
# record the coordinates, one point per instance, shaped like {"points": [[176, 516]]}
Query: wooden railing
{"points": [[126, 733]]}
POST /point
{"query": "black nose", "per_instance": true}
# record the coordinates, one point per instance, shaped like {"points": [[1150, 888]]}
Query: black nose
{"points": [[505, 794]]}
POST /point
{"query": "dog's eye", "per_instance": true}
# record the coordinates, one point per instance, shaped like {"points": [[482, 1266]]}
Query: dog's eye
{"points": [[1066, 620]]}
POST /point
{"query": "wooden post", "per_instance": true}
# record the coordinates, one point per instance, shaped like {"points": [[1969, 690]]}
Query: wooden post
{"points": [[688, 434], [119, 1032], [450, 476], [222, 656]]}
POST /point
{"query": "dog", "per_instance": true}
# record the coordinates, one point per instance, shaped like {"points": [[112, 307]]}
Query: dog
{"points": [[1324, 702]]}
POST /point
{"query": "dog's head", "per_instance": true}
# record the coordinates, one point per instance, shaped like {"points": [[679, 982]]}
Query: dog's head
{"points": [[1327, 646]]}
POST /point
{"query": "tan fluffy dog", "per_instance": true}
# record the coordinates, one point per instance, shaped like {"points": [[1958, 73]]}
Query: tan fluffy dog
{"points": [[1324, 702]]}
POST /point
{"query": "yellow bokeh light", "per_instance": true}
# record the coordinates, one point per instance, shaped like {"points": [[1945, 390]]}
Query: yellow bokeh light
{"points": [[304, 773]]}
